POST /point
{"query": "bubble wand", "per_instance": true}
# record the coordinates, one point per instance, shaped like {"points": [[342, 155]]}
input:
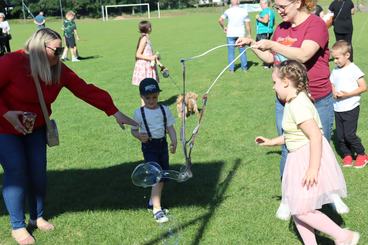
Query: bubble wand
{"points": [[150, 173]]}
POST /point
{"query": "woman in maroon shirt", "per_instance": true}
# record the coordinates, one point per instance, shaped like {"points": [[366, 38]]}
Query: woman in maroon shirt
{"points": [[23, 154]]}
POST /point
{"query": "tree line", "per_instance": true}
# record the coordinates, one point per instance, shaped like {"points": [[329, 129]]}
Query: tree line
{"points": [[88, 8]]}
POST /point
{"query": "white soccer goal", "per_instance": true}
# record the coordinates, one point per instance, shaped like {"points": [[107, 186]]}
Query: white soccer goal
{"points": [[105, 17]]}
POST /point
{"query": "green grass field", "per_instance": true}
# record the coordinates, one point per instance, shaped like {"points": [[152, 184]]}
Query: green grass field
{"points": [[235, 192]]}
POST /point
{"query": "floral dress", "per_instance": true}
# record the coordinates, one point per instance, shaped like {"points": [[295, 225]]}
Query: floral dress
{"points": [[143, 68]]}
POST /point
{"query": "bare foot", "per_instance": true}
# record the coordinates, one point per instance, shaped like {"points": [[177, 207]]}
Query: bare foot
{"points": [[42, 224], [22, 236]]}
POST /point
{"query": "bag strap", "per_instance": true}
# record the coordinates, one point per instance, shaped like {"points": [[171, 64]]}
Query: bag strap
{"points": [[343, 2], [42, 102]]}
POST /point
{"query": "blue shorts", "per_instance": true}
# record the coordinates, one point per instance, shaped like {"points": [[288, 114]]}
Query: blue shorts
{"points": [[156, 150]]}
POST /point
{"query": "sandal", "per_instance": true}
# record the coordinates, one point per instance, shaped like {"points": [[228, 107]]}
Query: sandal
{"points": [[22, 236], [41, 224]]}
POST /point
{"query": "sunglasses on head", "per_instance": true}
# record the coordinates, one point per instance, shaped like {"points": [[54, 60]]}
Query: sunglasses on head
{"points": [[57, 51]]}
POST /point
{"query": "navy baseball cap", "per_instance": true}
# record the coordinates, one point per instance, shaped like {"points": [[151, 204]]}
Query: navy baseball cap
{"points": [[149, 86]]}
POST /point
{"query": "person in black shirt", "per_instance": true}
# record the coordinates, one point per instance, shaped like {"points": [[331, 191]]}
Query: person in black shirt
{"points": [[318, 11], [342, 21]]}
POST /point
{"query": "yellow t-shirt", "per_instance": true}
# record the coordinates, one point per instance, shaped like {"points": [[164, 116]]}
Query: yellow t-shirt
{"points": [[299, 110]]}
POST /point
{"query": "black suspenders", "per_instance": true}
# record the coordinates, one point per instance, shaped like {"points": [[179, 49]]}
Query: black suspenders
{"points": [[146, 124]]}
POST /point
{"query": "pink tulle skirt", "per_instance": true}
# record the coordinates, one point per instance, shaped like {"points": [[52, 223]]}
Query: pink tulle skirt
{"points": [[330, 180]]}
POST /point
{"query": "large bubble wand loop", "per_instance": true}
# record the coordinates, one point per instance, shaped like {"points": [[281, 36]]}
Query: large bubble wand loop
{"points": [[205, 53], [186, 170]]}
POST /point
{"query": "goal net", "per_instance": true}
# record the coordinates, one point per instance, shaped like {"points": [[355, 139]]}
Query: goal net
{"points": [[126, 9]]}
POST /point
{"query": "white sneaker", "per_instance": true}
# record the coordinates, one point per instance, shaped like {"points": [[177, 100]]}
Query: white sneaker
{"points": [[75, 60], [160, 217], [339, 205], [283, 212]]}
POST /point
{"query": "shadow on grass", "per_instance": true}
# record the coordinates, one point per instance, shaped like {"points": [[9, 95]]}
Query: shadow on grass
{"points": [[249, 65], [216, 199], [169, 101], [89, 57], [321, 239], [111, 188], [273, 152]]}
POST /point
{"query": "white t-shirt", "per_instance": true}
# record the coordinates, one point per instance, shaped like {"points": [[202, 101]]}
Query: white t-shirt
{"points": [[297, 111], [236, 17], [346, 79], [155, 121], [5, 26]]}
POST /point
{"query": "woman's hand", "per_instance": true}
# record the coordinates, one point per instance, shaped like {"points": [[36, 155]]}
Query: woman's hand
{"points": [[310, 178], [13, 119], [263, 45], [122, 119], [173, 147], [242, 41]]}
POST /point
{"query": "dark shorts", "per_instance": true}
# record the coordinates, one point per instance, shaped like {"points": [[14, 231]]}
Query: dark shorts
{"points": [[156, 150], [70, 42], [263, 36]]}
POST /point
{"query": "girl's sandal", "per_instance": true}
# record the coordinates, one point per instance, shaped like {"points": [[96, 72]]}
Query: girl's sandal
{"points": [[22, 236], [42, 224]]}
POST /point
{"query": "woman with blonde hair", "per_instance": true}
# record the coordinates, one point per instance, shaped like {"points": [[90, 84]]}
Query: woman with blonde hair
{"points": [[23, 150], [301, 36]]}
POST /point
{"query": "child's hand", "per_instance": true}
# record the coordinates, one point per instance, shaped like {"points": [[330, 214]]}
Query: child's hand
{"points": [[262, 141], [310, 178], [173, 147], [143, 137], [342, 95]]}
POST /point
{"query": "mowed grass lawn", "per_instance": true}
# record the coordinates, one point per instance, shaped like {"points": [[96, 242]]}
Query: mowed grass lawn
{"points": [[235, 192]]}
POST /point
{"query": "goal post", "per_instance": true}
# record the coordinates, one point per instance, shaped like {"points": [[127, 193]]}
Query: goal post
{"points": [[106, 16]]}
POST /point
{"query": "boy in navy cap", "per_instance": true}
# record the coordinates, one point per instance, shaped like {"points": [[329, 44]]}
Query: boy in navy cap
{"points": [[154, 120]]}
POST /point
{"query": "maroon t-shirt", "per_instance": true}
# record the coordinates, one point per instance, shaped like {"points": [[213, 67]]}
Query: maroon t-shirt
{"points": [[314, 29]]}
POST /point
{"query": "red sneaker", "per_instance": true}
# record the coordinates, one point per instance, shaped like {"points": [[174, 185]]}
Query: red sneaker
{"points": [[361, 161], [347, 161]]}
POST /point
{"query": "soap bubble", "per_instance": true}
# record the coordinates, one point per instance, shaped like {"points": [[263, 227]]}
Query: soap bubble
{"points": [[150, 173]]}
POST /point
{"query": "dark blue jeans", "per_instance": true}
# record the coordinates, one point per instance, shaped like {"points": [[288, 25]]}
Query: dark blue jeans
{"points": [[325, 110], [23, 159]]}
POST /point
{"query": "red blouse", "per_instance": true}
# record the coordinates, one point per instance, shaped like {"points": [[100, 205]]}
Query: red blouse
{"points": [[18, 91]]}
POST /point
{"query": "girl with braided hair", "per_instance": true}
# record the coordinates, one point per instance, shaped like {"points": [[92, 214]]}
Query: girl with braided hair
{"points": [[300, 36], [312, 176]]}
